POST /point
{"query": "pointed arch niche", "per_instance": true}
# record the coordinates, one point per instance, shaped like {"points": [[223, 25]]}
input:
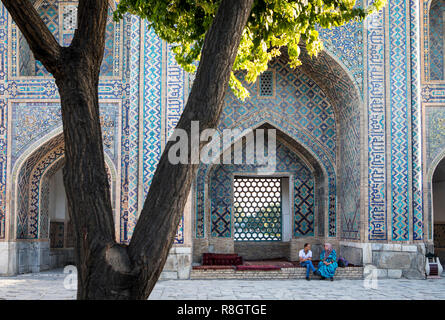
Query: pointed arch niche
{"points": [[39, 219]]}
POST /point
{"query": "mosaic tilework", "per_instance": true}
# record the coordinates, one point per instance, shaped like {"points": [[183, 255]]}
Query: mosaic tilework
{"points": [[107, 67], [434, 139], [32, 210], [175, 92], [346, 42], [27, 61], [174, 101], [431, 24], [297, 97], [34, 217], [31, 123], [154, 125], [33, 120], [44, 191], [376, 127], [299, 118], [303, 206], [435, 135], [221, 202], [44, 232], [436, 40], [349, 166], [3, 118], [68, 25], [200, 202], [220, 192], [400, 200], [400, 112], [130, 126], [27, 225], [35, 89], [153, 107], [336, 82], [63, 24], [299, 136], [162, 110], [49, 12], [433, 93], [416, 121], [152, 101]]}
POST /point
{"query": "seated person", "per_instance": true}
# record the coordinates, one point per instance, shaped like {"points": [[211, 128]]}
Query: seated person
{"points": [[328, 263], [305, 255]]}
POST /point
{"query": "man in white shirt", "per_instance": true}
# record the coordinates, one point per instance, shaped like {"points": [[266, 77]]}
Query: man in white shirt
{"points": [[305, 255]]}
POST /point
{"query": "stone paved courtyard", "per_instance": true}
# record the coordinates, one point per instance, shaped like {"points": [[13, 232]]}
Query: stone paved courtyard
{"points": [[51, 285]]}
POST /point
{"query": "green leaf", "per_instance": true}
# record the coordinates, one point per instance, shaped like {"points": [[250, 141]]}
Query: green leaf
{"points": [[272, 25]]}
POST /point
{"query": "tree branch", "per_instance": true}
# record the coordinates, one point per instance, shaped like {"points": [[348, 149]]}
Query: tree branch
{"points": [[43, 45], [90, 33], [154, 233]]}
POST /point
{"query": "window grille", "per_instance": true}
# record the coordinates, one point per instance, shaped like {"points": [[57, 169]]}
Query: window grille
{"points": [[266, 84], [69, 17], [257, 209]]}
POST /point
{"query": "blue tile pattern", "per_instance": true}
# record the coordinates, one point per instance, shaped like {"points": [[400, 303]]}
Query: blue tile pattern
{"points": [[220, 192], [143, 91], [398, 95], [377, 127], [436, 40]]}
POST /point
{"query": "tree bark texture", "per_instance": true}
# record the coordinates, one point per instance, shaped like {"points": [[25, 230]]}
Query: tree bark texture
{"points": [[155, 230], [106, 269]]}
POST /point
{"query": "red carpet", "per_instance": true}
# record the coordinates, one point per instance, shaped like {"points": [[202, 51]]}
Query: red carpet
{"points": [[211, 259], [218, 261]]}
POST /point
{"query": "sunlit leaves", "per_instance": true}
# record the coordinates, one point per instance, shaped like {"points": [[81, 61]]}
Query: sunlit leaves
{"points": [[273, 24]]}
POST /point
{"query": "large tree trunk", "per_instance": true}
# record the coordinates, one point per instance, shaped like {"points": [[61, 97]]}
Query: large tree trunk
{"points": [[107, 270], [154, 233], [85, 177], [104, 270], [102, 264], [86, 183]]}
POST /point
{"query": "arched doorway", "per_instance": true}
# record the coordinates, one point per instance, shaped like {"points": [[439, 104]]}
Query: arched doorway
{"points": [[60, 227], [40, 220], [311, 107], [438, 205], [264, 212]]}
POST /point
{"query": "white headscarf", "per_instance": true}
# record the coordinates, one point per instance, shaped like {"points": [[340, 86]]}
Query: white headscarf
{"points": [[328, 250]]}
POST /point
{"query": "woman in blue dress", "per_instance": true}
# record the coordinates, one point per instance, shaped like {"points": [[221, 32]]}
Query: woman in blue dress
{"points": [[328, 262]]}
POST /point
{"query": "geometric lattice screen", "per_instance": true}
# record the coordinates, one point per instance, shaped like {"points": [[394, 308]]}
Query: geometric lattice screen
{"points": [[266, 84], [257, 209]]}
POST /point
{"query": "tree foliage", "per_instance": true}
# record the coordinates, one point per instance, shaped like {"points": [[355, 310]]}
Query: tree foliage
{"points": [[272, 24]]}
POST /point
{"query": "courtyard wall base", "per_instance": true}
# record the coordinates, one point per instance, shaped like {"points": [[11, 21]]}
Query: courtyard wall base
{"points": [[384, 260]]}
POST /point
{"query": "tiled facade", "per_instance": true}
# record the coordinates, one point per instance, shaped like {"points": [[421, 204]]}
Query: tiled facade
{"points": [[365, 119]]}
